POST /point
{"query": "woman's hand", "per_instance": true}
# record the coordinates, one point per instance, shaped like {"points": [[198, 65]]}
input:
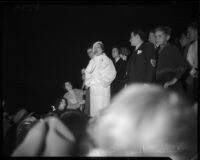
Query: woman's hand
{"points": [[170, 83]]}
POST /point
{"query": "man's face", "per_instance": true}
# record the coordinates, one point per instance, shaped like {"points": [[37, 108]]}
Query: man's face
{"points": [[184, 40], [152, 38], [115, 52], [161, 38], [192, 34], [134, 40]]}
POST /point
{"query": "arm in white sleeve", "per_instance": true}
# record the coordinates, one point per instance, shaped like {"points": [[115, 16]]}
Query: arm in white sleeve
{"points": [[108, 73], [88, 72]]}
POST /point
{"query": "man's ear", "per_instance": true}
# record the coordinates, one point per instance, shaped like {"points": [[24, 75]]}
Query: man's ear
{"points": [[168, 37]]}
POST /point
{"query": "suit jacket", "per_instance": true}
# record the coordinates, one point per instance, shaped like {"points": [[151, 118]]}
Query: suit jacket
{"points": [[116, 85], [141, 65], [171, 64]]}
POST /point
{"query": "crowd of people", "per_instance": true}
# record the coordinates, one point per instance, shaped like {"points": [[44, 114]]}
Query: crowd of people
{"points": [[141, 103]]}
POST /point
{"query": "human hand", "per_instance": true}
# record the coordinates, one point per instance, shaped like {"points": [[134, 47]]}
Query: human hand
{"points": [[170, 83], [194, 73], [83, 70], [86, 87]]}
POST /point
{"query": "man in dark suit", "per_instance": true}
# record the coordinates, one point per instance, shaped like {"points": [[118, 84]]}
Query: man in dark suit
{"points": [[142, 62], [120, 66]]}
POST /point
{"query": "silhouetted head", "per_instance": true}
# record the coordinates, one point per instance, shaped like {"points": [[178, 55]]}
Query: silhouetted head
{"points": [[145, 121]]}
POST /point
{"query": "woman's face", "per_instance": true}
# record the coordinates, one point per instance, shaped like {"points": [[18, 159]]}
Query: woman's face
{"points": [[184, 40], [62, 105], [161, 38], [97, 49], [68, 86]]}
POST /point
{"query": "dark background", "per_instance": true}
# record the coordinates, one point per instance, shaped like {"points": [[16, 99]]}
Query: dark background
{"points": [[45, 45]]}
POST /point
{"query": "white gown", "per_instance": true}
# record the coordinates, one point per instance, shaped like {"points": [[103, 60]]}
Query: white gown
{"points": [[99, 75]]}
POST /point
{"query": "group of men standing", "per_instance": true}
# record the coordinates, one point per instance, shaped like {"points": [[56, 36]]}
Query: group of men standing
{"points": [[104, 78]]}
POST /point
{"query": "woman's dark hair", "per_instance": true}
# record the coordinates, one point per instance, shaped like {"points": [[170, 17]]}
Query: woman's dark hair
{"points": [[36, 115], [139, 32], [166, 29], [58, 101], [63, 86]]}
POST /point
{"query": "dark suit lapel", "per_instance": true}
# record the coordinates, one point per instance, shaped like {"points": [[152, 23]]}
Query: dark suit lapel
{"points": [[140, 48]]}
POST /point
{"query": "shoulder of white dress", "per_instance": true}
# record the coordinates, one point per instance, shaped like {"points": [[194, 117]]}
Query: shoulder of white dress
{"points": [[66, 94]]}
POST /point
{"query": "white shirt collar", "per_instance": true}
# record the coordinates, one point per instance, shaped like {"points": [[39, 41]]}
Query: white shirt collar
{"points": [[136, 47]]}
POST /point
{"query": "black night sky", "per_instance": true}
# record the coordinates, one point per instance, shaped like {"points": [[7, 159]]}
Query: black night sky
{"points": [[45, 47]]}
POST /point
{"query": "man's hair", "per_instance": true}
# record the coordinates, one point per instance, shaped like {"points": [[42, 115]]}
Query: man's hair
{"points": [[193, 25], [140, 32], [116, 48], [166, 29], [152, 31]]}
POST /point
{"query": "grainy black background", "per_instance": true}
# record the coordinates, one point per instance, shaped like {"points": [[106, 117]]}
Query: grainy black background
{"points": [[45, 44]]}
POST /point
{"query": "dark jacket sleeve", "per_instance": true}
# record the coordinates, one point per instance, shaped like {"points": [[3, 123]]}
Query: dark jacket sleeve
{"points": [[126, 78], [122, 69], [150, 63], [182, 64]]}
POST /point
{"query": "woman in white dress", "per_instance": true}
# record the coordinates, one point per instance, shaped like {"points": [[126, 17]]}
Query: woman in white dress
{"points": [[99, 75]]}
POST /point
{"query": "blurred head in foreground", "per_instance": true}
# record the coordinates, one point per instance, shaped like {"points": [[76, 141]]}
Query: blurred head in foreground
{"points": [[145, 121]]}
